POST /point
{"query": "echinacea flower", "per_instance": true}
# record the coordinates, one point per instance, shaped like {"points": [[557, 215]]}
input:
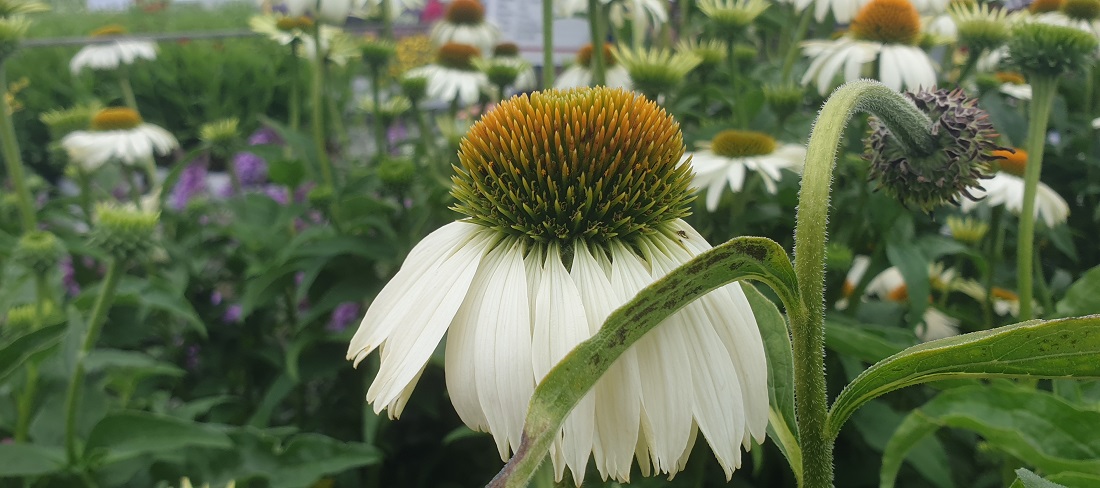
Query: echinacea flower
{"points": [[885, 32], [453, 76], [1013, 85], [111, 54], [889, 285], [573, 202], [509, 52], [579, 73], [120, 134], [723, 161], [465, 24], [654, 71], [1006, 188]]}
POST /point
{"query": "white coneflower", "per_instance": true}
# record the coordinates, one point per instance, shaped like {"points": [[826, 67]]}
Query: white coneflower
{"points": [[465, 23], [1013, 85], [574, 201], [886, 31], [110, 55], [579, 73], [509, 52], [723, 161], [650, 13], [889, 285], [1006, 188], [283, 29], [454, 76], [655, 71], [117, 134]]}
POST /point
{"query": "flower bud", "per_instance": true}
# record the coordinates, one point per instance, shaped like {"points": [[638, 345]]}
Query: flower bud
{"points": [[38, 250], [124, 231], [1039, 49]]}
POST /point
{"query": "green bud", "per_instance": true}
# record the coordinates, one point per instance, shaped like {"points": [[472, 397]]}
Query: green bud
{"points": [[77, 117], [967, 230], [396, 173], [124, 231], [38, 250], [1039, 49], [377, 53], [838, 256], [320, 196], [12, 32], [31, 315], [220, 135], [784, 99], [414, 88]]}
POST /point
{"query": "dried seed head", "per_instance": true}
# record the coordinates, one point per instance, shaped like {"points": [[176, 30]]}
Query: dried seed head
{"points": [[587, 163], [888, 22], [965, 142]]}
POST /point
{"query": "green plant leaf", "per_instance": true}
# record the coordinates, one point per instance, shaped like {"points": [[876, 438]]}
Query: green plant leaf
{"points": [[1046, 431], [738, 259], [1045, 349], [1027, 479], [914, 268], [30, 460], [782, 427], [868, 343], [15, 353], [307, 457], [1083, 296], [131, 433]]}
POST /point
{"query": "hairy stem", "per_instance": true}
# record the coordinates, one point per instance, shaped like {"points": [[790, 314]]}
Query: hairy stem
{"points": [[1043, 89]]}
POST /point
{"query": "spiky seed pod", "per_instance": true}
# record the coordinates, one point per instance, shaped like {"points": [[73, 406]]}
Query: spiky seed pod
{"points": [[784, 99], [731, 17], [965, 142], [78, 117], [31, 315], [220, 135], [655, 71], [124, 231], [501, 71], [38, 250], [980, 27], [592, 163], [1039, 49], [711, 53]]}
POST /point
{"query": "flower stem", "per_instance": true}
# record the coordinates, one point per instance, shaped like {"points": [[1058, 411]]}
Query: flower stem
{"points": [[971, 61], [376, 95], [807, 321], [95, 324], [595, 24], [387, 19], [792, 49], [318, 108], [295, 97], [548, 44], [1043, 89], [127, 91], [14, 161]]}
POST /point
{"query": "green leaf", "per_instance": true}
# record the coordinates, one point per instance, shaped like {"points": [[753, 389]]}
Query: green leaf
{"points": [[1045, 349], [1083, 296], [30, 460], [782, 427], [128, 434], [868, 343], [135, 363], [1027, 479], [15, 353], [1044, 430], [307, 457], [738, 259], [914, 268]]}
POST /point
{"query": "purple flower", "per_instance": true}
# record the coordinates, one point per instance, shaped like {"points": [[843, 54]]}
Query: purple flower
{"points": [[192, 182], [264, 135], [342, 316], [216, 298], [232, 314], [277, 193], [251, 169], [395, 134], [191, 360], [68, 276]]}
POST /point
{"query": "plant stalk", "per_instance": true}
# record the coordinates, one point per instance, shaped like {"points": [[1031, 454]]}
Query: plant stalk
{"points": [[595, 25], [14, 161], [1043, 89], [548, 44], [318, 111]]}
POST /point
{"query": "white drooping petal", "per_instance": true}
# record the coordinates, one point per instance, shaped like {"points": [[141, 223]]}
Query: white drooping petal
{"points": [[889, 71], [414, 310], [559, 325], [618, 409], [502, 369]]}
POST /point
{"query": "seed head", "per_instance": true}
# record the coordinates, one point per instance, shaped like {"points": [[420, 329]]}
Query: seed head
{"points": [[458, 56], [967, 230], [888, 22], [63, 121], [38, 250], [466, 12], [965, 142], [655, 71], [116, 118], [980, 27], [1039, 49], [742, 144], [124, 231], [587, 163], [377, 53], [506, 50]]}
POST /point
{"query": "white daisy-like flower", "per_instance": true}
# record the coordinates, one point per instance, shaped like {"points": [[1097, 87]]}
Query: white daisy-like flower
{"points": [[1019, 91], [117, 134], [843, 10], [889, 285], [336, 45], [860, 263], [333, 12], [1005, 302], [579, 74], [465, 23], [936, 325], [112, 54], [650, 13], [1006, 187], [1096, 123], [454, 75], [724, 160], [885, 31], [515, 286]]}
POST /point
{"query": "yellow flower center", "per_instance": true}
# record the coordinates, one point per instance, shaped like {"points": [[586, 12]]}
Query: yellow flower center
{"points": [[742, 143], [888, 22], [1010, 77], [457, 56], [466, 12], [1081, 9], [1040, 6], [1012, 161], [294, 23], [899, 294], [109, 31], [1004, 294], [596, 164], [116, 118], [584, 56]]}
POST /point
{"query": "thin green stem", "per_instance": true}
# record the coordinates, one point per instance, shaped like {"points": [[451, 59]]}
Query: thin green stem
{"points": [[94, 326], [1043, 89], [996, 249], [295, 108], [548, 44], [595, 25], [971, 61], [26, 403], [127, 90], [387, 19], [793, 47], [637, 28], [13, 160], [807, 320], [376, 95], [318, 110]]}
